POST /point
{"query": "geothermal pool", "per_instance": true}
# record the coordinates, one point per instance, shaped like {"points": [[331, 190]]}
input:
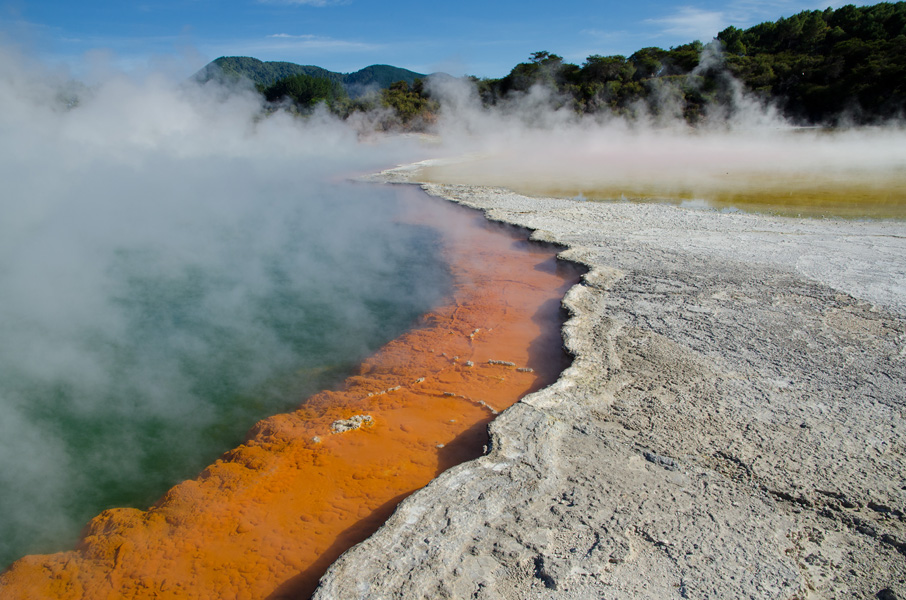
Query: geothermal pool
{"points": [[130, 359], [269, 516]]}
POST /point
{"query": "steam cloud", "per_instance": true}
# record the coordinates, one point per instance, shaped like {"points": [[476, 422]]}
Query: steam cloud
{"points": [[744, 153], [174, 267]]}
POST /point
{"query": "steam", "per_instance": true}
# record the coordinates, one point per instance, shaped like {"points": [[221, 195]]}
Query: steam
{"points": [[744, 154], [173, 267]]}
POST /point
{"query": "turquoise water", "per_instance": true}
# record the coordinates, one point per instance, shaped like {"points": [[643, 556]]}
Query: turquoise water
{"points": [[179, 336]]}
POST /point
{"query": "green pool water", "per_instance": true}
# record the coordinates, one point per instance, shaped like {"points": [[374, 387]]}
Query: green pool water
{"points": [[180, 352]]}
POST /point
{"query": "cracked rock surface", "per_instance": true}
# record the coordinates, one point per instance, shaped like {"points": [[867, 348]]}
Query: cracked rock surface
{"points": [[732, 425]]}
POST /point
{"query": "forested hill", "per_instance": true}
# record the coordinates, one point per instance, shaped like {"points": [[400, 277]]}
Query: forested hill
{"points": [[817, 66], [819, 63], [267, 73], [821, 67]]}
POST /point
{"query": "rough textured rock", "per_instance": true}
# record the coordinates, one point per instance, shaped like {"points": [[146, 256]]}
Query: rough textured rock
{"points": [[731, 427], [351, 424]]}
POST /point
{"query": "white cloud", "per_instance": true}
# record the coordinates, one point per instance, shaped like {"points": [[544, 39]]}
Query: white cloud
{"points": [[693, 23], [286, 41], [751, 12]]}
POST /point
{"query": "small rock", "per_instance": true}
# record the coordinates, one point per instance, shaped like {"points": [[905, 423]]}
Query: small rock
{"points": [[542, 573], [663, 461], [356, 422], [504, 363]]}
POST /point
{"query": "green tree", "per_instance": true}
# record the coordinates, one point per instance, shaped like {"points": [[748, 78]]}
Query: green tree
{"points": [[599, 68], [411, 105], [814, 65], [543, 68], [647, 62], [305, 91]]}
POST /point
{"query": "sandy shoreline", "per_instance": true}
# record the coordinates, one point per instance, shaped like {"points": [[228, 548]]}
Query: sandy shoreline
{"points": [[732, 425]]}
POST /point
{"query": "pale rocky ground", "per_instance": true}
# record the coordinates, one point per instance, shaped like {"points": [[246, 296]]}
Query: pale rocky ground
{"points": [[732, 425]]}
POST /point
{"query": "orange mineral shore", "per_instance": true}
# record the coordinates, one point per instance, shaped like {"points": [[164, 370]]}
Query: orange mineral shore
{"points": [[268, 518]]}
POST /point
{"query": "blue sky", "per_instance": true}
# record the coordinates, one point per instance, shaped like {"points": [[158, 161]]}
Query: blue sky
{"points": [[474, 37]]}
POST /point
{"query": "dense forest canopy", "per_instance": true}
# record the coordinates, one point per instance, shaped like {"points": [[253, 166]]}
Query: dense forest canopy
{"points": [[232, 68], [816, 67], [820, 67], [305, 91], [819, 64]]}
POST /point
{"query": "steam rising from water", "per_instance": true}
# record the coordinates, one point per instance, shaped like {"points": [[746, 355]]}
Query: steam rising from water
{"points": [[743, 156], [172, 269]]}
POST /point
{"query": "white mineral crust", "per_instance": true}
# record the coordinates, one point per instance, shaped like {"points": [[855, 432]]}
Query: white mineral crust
{"points": [[732, 425]]}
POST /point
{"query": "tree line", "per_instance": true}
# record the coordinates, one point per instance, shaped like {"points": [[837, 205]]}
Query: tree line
{"points": [[817, 67], [404, 106]]}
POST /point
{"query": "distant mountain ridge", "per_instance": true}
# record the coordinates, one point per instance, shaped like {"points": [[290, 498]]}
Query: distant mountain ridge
{"points": [[229, 68]]}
